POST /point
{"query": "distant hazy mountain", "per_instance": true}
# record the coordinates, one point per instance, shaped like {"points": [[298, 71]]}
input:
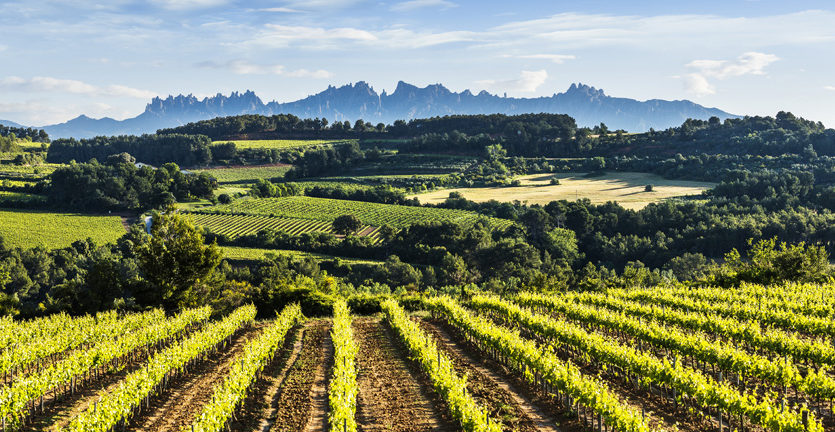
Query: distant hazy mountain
{"points": [[589, 106], [9, 123]]}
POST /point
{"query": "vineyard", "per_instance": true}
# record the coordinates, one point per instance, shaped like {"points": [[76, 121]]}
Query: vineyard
{"points": [[324, 209], [233, 225], [754, 358], [244, 175], [283, 144], [31, 228]]}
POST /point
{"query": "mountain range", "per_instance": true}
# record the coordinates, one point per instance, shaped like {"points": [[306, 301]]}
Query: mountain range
{"points": [[588, 105]]}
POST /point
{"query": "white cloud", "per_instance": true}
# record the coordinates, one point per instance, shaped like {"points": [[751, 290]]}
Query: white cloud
{"points": [[50, 84], [243, 67], [750, 63], [527, 82], [832, 88], [3, 48], [698, 85], [417, 4], [279, 10], [281, 36], [188, 4], [554, 58]]}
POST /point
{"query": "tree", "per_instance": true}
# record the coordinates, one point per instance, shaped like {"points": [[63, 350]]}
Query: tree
{"points": [[648, 188], [175, 261], [346, 224]]}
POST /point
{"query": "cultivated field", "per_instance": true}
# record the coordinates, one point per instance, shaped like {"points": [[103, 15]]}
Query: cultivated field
{"points": [[29, 228], [246, 174], [324, 209], [625, 188], [282, 144], [234, 225], [646, 359], [251, 254]]}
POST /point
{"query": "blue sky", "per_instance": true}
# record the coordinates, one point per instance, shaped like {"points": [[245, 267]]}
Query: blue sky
{"points": [[108, 58]]}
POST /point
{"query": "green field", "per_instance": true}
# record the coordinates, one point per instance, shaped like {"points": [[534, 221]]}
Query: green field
{"points": [[234, 225], [625, 188], [324, 209], [28, 228], [244, 253], [282, 144], [245, 175]]}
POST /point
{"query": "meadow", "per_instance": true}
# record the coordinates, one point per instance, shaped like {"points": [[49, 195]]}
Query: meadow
{"points": [[324, 209], [29, 228], [625, 188]]}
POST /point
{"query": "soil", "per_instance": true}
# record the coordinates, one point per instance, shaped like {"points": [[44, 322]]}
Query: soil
{"points": [[182, 402], [498, 395], [393, 394], [296, 406]]}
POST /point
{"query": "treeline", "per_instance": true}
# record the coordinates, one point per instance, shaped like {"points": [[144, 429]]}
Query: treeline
{"points": [[527, 126], [120, 185], [35, 135], [186, 150]]}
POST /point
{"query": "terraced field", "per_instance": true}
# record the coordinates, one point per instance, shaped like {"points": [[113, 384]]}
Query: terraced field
{"points": [[325, 209]]}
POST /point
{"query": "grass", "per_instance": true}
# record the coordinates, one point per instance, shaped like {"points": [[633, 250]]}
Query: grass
{"points": [[325, 209], [625, 188], [28, 228], [282, 144], [251, 254], [245, 175]]}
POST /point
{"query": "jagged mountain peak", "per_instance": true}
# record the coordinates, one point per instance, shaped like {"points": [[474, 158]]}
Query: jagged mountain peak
{"points": [[349, 102]]}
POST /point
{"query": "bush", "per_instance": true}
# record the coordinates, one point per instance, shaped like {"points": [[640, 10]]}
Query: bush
{"points": [[224, 199], [648, 188]]}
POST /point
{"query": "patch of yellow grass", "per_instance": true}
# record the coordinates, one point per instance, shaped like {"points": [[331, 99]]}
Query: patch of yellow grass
{"points": [[625, 188]]}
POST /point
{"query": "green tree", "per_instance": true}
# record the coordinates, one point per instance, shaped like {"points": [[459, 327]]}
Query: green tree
{"points": [[175, 262], [346, 224]]}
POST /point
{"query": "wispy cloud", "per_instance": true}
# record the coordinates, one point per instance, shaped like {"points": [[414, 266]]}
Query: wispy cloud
{"points": [[282, 36], [3, 48], [243, 67], [553, 58], [50, 84], [278, 10], [184, 5], [527, 82], [832, 88], [418, 4], [750, 63]]}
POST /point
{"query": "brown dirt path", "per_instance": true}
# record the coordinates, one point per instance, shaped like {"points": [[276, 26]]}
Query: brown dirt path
{"points": [[501, 396], [393, 394], [295, 406], [260, 408], [187, 395]]}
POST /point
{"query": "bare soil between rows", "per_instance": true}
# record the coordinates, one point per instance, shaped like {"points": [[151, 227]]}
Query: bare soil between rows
{"points": [[394, 395]]}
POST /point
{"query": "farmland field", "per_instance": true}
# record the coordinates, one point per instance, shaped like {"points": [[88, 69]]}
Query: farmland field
{"points": [[641, 359], [246, 253], [247, 174], [625, 188], [282, 144], [325, 209], [28, 228], [234, 225]]}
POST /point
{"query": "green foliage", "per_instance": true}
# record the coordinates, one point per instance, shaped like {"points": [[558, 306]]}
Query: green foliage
{"points": [[346, 224], [177, 264], [768, 263]]}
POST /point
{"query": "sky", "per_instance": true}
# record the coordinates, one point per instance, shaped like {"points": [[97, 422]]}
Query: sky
{"points": [[61, 59]]}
